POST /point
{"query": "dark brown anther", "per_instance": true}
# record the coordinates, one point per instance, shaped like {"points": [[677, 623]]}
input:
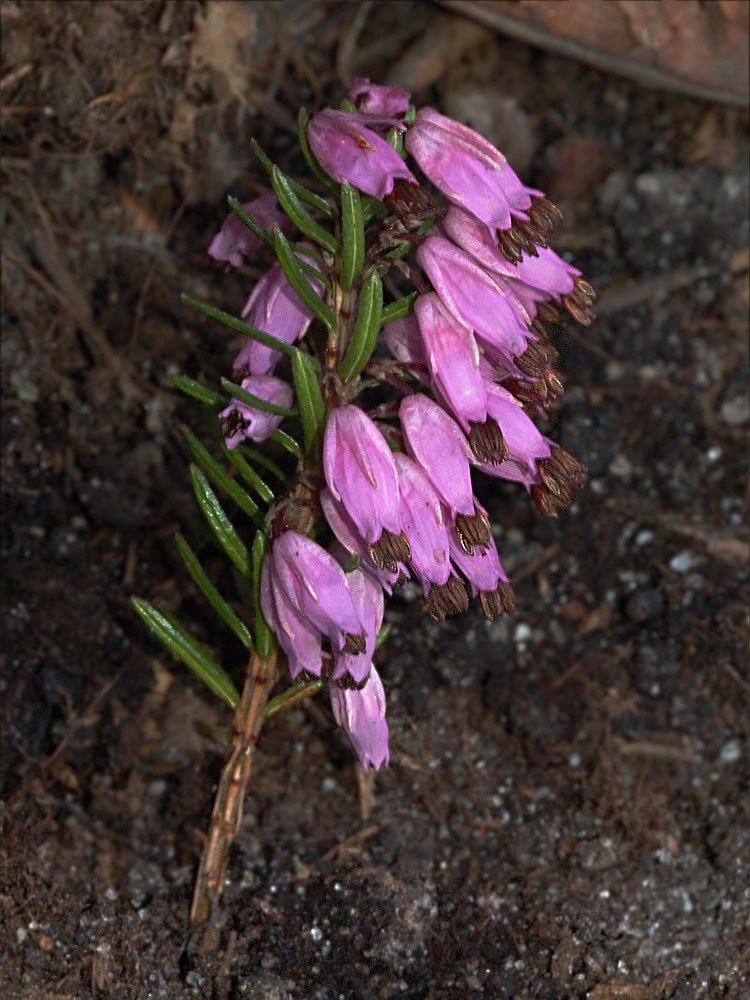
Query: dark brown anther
{"points": [[536, 358], [448, 599], [554, 383], [473, 531], [560, 475], [537, 327], [347, 683], [389, 551], [487, 443], [544, 501], [549, 311], [508, 248], [354, 643], [409, 202], [530, 394], [501, 601], [233, 422], [544, 214], [579, 300]]}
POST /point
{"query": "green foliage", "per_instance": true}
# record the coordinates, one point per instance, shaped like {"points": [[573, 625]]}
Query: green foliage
{"points": [[192, 653]]}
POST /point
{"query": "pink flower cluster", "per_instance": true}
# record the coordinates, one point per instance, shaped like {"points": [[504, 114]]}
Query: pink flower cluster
{"points": [[473, 362]]}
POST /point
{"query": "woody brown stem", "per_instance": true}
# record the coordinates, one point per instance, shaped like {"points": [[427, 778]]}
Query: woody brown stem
{"points": [[227, 811]]}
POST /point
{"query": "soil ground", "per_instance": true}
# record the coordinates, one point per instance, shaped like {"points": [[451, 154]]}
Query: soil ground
{"points": [[567, 811]]}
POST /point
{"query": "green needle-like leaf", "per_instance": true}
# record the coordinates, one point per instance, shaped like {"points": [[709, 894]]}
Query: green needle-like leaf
{"points": [[365, 333], [236, 324], [222, 527], [312, 409], [383, 634], [395, 138], [249, 474], [303, 120], [291, 268], [255, 401], [264, 637], [299, 189], [292, 696], [211, 594], [347, 105], [198, 391], [287, 442], [353, 236], [299, 215], [218, 473], [261, 459], [187, 648], [398, 309], [249, 221]]}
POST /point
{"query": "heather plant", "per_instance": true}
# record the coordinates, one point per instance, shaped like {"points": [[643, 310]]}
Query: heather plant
{"points": [[400, 341]]}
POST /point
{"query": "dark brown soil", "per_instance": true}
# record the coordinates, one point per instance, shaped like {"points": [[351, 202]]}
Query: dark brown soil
{"points": [[567, 812]]}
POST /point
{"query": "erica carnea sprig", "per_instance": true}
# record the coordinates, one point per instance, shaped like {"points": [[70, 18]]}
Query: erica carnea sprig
{"points": [[354, 417]]}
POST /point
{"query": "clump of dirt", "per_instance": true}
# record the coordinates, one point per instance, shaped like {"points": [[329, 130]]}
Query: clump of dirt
{"points": [[566, 814]]}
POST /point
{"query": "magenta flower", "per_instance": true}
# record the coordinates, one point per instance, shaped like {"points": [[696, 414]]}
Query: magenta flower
{"points": [[533, 279], [361, 714], [453, 360], [378, 100], [275, 308], [361, 474], [436, 443], [349, 151], [424, 524], [524, 444], [300, 641], [234, 241], [404, 341], [304, 579], [367, 595], [239, 421], [468, 169], [348, 535], [487, 578], [475, 297]]}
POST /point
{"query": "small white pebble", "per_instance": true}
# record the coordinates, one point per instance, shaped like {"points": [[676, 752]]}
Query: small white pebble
{"points": [[644, 537], [682, 562], [522, 633], [316, 934], [730, 752], [574, 760], [714, 454]]}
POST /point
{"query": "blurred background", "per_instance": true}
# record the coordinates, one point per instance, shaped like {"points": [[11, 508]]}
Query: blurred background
{"points": [[567, 812]]}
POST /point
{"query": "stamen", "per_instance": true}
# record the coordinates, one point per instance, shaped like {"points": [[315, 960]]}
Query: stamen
{"points": [[487, 442], [389, 551], [447, 599], [473, 531], [501, 601], [354, 643]]}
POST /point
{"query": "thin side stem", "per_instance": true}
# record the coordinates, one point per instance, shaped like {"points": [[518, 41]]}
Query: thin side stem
{"points": [[227, 811]]}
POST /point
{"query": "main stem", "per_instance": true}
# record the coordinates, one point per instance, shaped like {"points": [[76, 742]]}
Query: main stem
{"points": [[226, 816]]}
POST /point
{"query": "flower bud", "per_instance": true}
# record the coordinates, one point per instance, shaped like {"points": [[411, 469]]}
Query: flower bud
{"points": [[234, 241], [367, 596], [360, 473], [453, 360], [239, 421], [424, 524], [305, 589], [468, 169], [348, 151], [378, 100], [474, 297], [435, 441], [361, 714], [275, 308]]}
